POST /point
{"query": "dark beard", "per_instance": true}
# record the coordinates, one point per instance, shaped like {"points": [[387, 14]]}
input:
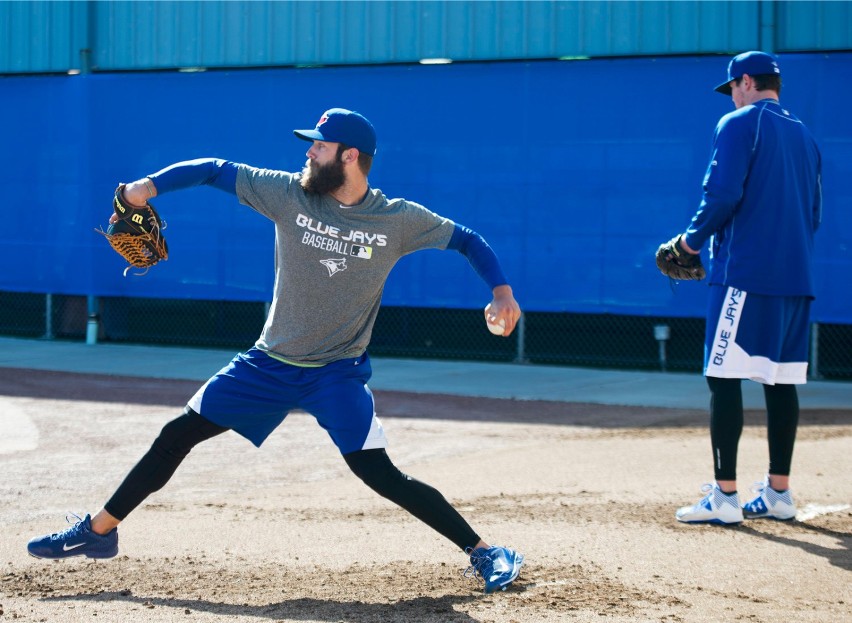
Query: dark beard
{"points": [[322, 180]]}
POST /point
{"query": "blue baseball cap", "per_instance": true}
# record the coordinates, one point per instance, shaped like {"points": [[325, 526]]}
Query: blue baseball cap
{"points": [[753, 63], [338, 125]]}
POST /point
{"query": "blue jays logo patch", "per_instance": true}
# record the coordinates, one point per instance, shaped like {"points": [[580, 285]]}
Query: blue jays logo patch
{"points": [[334, 266]]}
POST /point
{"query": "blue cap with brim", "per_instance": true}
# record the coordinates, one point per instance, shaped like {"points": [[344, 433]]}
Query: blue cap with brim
{"points": [[339, 125], [752, 63]]}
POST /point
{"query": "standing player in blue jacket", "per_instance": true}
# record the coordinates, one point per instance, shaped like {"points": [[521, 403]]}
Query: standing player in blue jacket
{"points": [[336, 240], [762, 204]]}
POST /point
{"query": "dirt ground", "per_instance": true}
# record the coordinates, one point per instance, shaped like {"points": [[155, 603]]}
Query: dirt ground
{"points": [[286, 533]]}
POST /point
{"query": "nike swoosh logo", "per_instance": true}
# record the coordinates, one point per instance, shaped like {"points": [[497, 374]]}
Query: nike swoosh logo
{"points": [[68, 548]]}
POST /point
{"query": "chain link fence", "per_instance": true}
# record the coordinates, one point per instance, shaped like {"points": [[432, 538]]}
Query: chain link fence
{"points": [[569, 339]]}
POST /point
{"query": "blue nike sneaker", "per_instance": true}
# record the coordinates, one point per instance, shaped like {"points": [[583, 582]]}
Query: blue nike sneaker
{"points": [[78, 540], [497, 566]]}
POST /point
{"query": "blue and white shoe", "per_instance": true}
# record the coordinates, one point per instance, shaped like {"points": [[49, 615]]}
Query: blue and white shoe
{"points": [[497, 566], [716, 507], [78, 540], [769, 503]]}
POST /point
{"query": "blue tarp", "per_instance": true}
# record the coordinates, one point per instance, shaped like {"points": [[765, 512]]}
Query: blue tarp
{"points": [[573, 171]]}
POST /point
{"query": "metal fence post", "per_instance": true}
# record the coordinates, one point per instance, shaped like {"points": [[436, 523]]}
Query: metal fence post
{"points": [[813, 366], [662, 333], [520, 354], [48, 316], [93, 325]]}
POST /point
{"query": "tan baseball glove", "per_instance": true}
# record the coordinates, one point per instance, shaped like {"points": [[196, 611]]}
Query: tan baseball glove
{"points": [[137, 235]]}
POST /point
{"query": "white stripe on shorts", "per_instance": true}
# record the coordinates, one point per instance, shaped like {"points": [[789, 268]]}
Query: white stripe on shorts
{"points": [[376, 437], [729, 361]]}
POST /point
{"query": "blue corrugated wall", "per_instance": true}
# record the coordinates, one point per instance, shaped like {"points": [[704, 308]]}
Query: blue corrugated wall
{"points": [[58, 35], [574, 172]]}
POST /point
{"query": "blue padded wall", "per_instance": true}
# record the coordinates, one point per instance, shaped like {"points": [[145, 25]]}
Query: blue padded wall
{"points": [[573, 171]]}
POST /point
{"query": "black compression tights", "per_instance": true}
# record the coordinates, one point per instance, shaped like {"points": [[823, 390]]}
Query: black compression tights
{"points": [[726, 425], [426, 503], [158, 465], [374, 467]]}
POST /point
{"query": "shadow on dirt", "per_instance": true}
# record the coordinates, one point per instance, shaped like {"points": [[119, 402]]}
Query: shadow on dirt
{"points": [[839, 557], [425, 609]]}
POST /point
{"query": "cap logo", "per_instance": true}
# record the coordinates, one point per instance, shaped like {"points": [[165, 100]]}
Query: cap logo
{"points": [[338, 125]]}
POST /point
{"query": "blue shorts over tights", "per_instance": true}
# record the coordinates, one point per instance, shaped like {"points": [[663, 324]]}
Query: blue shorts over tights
{"points": [[254, 393]]}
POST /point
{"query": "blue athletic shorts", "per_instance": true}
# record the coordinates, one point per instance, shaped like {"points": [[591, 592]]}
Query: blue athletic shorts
{"points": [[254, 393], [762, 338]]}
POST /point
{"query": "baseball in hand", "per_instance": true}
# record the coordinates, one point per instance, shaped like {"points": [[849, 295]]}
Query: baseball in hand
{"points": [[496, 328]]}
